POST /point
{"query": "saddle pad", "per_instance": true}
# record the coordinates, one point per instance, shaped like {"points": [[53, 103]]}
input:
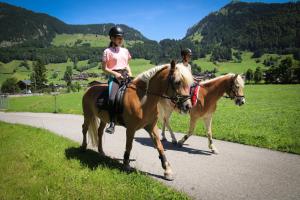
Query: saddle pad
{"points": [[194, 91]]}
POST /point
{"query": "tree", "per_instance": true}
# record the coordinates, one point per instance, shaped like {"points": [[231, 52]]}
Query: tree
{"points": [[221, 54], [24, 64], [258, 75], [75, 62], [10, 86], [77, 86], [238, 56], [285, 70], [249, 75], [38, 76], [68, 76]]}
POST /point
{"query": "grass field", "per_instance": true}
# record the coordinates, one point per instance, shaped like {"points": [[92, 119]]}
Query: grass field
{"points": [[235, 67], [21, 73], [94, 40], [270, 118], [62, 171]]}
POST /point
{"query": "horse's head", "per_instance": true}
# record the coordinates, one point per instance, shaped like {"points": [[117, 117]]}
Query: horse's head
{"points": [[180, 80], [236, 90]]}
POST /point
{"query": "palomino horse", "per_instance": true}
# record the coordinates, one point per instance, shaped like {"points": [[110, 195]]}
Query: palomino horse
{"points": [[139, 107], [209, 93]]}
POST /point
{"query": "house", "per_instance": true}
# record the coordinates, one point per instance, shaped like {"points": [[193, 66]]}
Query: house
{"points": [[25, 86]]}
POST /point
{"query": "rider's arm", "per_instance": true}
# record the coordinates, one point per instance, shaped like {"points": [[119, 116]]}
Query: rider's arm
{"points": [[109, 71]]}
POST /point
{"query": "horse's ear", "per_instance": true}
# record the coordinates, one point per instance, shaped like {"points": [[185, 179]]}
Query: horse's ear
{"points": [[235, 76], [173, 64]]}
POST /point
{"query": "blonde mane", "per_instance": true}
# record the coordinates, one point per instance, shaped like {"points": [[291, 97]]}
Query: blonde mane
{"points": [[239, 80], [181, 73]]}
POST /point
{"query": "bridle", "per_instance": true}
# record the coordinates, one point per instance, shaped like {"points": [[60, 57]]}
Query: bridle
{"points": [[177, 99], [234, 92]]}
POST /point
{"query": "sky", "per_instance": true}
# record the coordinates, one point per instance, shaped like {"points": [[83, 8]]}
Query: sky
{"points": [[155, 19]]}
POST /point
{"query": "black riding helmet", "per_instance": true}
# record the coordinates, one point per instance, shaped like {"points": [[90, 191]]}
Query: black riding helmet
{"points": [[186, 51], [116, 31]]}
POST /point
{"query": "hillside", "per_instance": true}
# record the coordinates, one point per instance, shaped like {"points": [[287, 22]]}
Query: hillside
{"points": [[250, 26], [19, 26]]}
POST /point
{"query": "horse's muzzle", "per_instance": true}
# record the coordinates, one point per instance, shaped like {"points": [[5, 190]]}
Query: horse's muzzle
{"points": [[240, 101], [186, 106]]}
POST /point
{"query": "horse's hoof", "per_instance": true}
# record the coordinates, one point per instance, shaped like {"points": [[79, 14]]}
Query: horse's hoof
{"points": [[179, 144], [174, 142], [102, 154], [127, 168], [215, 151], [82, 148], [168, 176]]}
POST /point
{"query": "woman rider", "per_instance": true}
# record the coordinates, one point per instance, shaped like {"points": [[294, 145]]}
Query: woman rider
{"points": [[115, 63], [186, 55]]}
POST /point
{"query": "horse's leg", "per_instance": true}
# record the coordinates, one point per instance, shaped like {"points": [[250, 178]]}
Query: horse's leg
{"points": [[153, 131], [129, 140], [100, 134], [193, 121], [85, 127], [174, 140], [207, 122], [163, 135]]}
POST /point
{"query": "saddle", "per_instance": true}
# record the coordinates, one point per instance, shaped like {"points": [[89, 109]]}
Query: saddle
{"points": [[102, 100]]}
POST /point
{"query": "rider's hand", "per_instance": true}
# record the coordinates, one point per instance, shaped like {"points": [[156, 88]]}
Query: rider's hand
{"points": [[119, 76]]}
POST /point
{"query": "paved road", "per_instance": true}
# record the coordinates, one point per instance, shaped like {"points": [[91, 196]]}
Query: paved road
{"points": [[238, 172]]}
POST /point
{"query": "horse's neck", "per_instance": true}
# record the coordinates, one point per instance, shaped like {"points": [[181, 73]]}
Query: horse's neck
{"points": [[154, 89], [218, 87]]}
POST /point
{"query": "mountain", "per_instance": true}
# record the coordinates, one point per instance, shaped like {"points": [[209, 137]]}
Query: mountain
{"points": [[267, 27], [257, 27], [19, 26]]}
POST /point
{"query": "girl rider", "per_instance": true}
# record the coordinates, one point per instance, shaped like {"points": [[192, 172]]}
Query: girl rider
{"points": [[115, 63]]}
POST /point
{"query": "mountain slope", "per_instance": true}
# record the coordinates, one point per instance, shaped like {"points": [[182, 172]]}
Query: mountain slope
{"points": [[21, 26], [250, 26]]}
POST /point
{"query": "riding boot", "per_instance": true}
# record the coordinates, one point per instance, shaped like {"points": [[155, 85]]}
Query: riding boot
{"points": [[111, 128]]}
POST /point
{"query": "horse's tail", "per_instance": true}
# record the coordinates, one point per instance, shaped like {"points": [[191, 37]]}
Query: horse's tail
{"points": [[93, 130], [91, 120]]}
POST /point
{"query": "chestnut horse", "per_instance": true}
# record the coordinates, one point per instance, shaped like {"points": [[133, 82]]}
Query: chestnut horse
{"points": [[139, 107], [209, 93]]}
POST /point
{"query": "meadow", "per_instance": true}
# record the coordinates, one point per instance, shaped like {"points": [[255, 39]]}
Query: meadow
{"points": [[237, 67], [269, 119], [12, 69], [62, 171], [94, 40]]}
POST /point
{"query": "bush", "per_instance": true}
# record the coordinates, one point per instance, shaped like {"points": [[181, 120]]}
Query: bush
{"points": [[10, 86]]}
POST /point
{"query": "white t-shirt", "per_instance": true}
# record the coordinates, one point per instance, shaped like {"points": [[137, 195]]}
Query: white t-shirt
{"points": [[188, 66]]}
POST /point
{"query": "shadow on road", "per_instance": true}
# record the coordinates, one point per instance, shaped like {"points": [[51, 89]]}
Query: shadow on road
{"points": [[92, 160], [170, 146]]}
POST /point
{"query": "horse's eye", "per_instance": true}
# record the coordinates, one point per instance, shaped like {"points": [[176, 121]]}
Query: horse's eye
{"points": [[177, 83]]}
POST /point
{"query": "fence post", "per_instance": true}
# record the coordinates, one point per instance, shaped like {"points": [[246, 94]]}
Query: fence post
{"points": [[3, 102]]}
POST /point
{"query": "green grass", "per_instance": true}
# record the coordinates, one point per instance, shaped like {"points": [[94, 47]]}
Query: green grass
{"points": [[94, 40], [6, 70], [70, 39], [37, 164], [270, 118], [139, 65], [235, 67]]}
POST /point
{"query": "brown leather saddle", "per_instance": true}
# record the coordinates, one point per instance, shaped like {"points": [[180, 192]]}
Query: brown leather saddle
{"points": [[102, 100]]}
